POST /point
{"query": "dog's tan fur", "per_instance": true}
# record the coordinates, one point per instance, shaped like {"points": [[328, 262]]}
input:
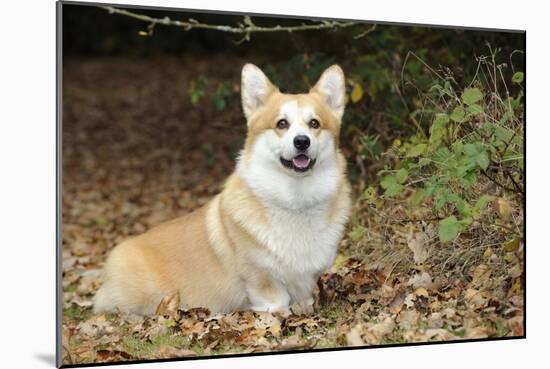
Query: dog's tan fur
{"points": [[210, 255]]}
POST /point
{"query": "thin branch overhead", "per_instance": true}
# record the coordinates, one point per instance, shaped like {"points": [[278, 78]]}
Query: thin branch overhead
{"points": [[245, 28]]}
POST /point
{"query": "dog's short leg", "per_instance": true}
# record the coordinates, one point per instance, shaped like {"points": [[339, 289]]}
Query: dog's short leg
{"points": [[267, 294], [301, 294]]}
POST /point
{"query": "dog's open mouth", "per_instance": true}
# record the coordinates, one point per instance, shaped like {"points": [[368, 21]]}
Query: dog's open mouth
{"points": [[300, 163]]}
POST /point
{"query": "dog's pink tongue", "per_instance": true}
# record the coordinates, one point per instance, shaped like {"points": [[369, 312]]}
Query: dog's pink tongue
{"points": [[301, 161]]}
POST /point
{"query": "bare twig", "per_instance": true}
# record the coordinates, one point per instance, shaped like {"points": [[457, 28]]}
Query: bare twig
{"points": [[245, 28], [363, 34], [504, 187], [436, 219], [516, 185]]}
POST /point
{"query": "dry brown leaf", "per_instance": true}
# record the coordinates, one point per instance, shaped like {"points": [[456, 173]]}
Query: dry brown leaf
{"points": [[422, 280], [95, 326], [169, 305], [353, 337], [481, 275], [408, 319], [421, 291], [435, 320], [504, 208], [449, 312], [269, 322], [418, 243], [513, 245], [409, 300], [475, 298], [476, 332], [167, 352], [376, 332], [438, 334]]}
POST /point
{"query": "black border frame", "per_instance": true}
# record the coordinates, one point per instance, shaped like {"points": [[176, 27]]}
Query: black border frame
{"points": [[59, 183]]}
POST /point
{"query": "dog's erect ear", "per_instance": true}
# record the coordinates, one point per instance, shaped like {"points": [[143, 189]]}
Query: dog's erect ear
{"points": [[255, 89], [332, 87]]}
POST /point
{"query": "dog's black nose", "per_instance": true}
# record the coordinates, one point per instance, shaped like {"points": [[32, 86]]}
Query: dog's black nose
{"points": [[301, 142]]}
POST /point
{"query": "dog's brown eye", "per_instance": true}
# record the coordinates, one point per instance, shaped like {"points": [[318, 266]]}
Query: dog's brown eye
{"points": [[282, 124], [314, 123]]}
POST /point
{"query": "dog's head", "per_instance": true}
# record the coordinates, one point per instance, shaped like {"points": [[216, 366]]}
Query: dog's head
{"points": [[294, 132]]}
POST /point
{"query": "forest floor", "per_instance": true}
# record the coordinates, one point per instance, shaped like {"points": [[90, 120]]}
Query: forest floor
{"points": [[136, 152]]}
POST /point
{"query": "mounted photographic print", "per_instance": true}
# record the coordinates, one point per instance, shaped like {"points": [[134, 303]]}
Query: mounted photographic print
{"points": [[233, 184]]}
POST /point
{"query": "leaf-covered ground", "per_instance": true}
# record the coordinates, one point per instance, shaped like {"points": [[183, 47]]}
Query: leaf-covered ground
{"points": [[137, 153]]}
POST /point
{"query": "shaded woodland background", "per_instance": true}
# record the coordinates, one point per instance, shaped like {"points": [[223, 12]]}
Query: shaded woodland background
{"points": [[152, 125]]}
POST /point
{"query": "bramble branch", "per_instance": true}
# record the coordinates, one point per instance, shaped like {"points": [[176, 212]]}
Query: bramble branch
{"points": [[245, 28]]}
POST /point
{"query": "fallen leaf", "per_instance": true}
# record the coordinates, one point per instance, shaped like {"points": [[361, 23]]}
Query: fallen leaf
{"points": [[481, 275], [512, 246], [435, 320], [95, 326], [376, 332], [422, 280], [417, 242], [504, 208], [169, 305], [449, 312], [421, 291], [476, 332], [409, 300], [408, 319], [357, 92], [515, 271], [438, 334], [339, 261], [475, 298], [353, 337], [167, 352]]}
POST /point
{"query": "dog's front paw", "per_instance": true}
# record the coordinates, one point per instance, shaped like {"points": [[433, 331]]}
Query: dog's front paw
{"points": [[279, 309], [302, 308]]}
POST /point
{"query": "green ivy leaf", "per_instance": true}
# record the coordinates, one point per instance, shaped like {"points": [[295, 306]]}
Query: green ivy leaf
{"points": [[517, 77], [463, 208], [441, 119], [475, 109], [469, 179], [483, 201], [369, 194], [458, 114], [440, 197], [391, 186], [477, 154], [471, 96], [416, 150], [470, 150], [423, 162], [443, 154], [437, 130], [449, 228], [482, 159], [401, 175]]}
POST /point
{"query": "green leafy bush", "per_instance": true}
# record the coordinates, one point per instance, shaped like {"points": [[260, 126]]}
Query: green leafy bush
{"points": [[471, 151]]}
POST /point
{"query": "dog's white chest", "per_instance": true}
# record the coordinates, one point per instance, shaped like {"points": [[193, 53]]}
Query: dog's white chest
{"points": [[301, 235], [300, 244]]}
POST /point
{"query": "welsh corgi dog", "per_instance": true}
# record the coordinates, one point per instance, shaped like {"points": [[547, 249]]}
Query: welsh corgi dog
{"points": [[262, 242]]}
